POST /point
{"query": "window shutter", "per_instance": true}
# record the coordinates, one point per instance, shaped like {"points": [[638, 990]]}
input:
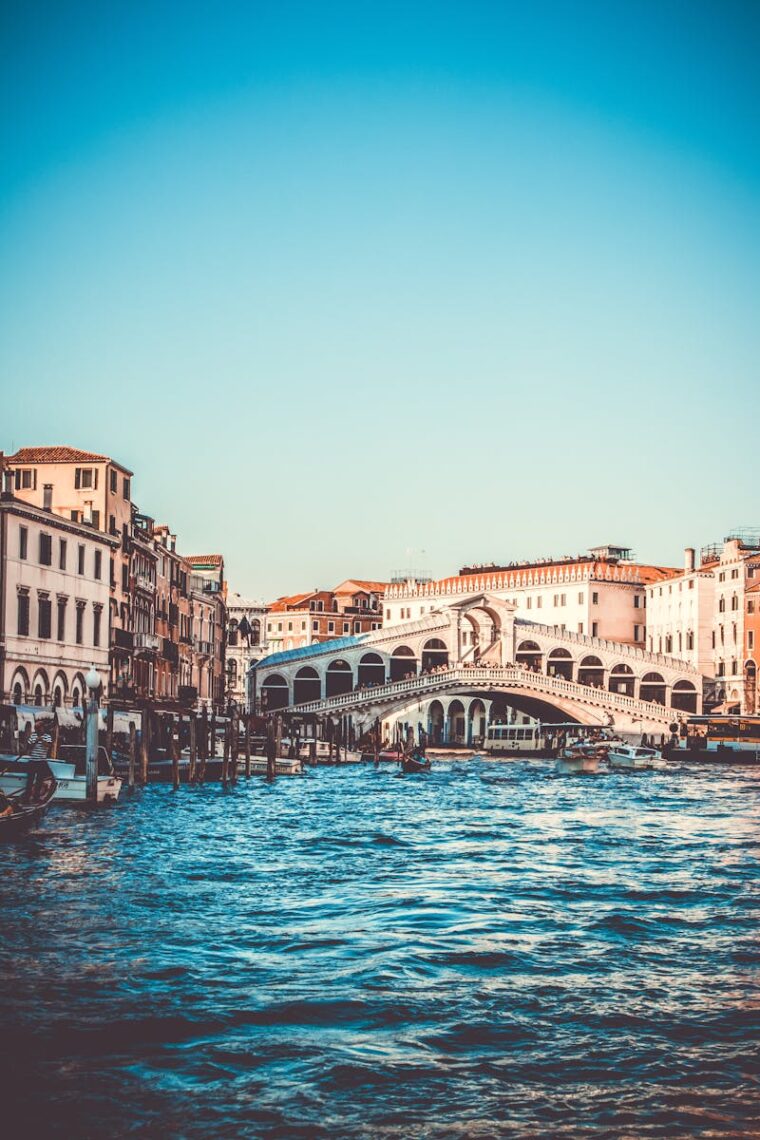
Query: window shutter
{"points": [[96, 479], [77, 478]]}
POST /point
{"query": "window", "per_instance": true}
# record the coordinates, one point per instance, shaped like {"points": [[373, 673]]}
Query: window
{"points": [[125, 577], [290, 627], [61, 631], [387, 615], [637, 636], [580, 627], [46, 550], [713, 639], [595, 598], [85, 478], [563, 599], [735, 602], [722, 606], [595, 629], [97, 614], [98, 563], [22, 626], [96, 520], [750, 639], [734, 573], [75, 516], [112, 528], [331, 627], [80, 559], [690, 640], [529, 603], [125, 488], [691, 583], [315, 626], [26, 480], [668, 644], [23, 541], [580, 597], [539, 603], [556, 599], [114, 479], [722, 577], [346, 627], [44, 616], [637, 601], [61, 553], [750, 607]]}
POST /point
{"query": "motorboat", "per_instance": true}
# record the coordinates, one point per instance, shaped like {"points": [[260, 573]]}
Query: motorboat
{"points": [[68, 770], [632, 758], [26, 806], [320, 752], [578, 759], [283, 766]]}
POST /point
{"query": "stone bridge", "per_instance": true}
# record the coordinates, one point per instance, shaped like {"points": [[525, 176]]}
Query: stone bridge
{"points": [[475, 647]]}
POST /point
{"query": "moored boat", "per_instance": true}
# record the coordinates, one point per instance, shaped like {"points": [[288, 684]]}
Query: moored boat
{"points": [[25, 807], [630, 758], [69, 772]]}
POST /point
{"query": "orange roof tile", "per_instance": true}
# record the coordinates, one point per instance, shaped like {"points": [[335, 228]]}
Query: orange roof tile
{"points": [[61, 454], [205, 559], [351, 585]]}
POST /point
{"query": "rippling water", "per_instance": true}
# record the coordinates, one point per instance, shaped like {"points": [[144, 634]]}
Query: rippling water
{"points": [[489, 950]]}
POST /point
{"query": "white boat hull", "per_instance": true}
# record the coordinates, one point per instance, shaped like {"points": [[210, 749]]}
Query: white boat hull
{"points": [[71, 788], [282, 767], [572, 765]]}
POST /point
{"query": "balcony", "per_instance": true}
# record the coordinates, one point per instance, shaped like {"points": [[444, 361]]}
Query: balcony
{"points": [[147, 643], [173, 614], [170, 651], [187, 694], [185, 639], [123, 639], [142, 582], [204, 648]]}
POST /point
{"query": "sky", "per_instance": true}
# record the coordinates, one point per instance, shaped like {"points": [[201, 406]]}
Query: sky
{"points": [[356, 287]]}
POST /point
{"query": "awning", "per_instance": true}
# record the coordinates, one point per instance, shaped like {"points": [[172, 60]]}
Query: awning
{"points": [[67, 718]]}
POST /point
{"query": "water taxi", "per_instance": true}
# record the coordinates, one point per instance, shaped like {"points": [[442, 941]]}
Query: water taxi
{"points": [[578, 759], [630, 758]]}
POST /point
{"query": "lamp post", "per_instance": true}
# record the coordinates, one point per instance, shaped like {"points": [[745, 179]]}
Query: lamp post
{"points": [[93, 682]]}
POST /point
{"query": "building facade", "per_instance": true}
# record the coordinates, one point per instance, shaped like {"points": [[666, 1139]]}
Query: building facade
{"points": [[82, 486], [680, 612], [54, 604], [353, 607], [246, 623]]}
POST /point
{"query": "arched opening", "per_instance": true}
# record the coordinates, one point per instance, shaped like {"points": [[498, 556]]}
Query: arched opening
{"points": [[435, 722], [18, 694], [476, 727], [559, 663], [40, 687], [306, 686], [371, 670], [274, 692], [457, 725], [591, 672], [622, 680], [684, 696], [38, 695], [403, 663], [529, 654], [339, 679], [434, 655], [652, 688]]}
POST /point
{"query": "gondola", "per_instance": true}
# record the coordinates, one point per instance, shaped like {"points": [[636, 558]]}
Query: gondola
{"points": [[415, 763], [23, 809]]}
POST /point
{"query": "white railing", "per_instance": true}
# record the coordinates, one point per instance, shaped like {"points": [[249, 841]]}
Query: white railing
{"points": [[502, 677]]}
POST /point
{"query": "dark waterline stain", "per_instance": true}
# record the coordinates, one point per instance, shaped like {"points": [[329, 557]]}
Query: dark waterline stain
{"points": [[484, 951]]}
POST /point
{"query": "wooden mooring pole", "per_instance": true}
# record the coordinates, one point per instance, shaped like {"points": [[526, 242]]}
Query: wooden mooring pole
{"points": [[132, 751], [247, 745], [235, 727], [193, 750], [226, 755], [174, 749], [144, 745]]}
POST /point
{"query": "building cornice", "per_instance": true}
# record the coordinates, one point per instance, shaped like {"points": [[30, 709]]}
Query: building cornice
{"points": [[58, 522]]}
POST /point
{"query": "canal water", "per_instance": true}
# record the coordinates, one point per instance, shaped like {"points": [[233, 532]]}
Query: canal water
{"points": [[489, 950]]}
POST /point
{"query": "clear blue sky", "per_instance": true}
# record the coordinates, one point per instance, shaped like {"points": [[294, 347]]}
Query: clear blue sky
{"points": [[343, 280]]}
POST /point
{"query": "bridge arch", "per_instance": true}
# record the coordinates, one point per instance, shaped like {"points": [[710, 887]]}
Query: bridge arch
{"points": [[622, 680], [653, 688], [435, 654], [591, 671], [457, 722], [560, 663], [477, 720], [275, 692], [530, 654], [371, 670], [339, 678], [403, 663], [307, 685], [684, 696]]}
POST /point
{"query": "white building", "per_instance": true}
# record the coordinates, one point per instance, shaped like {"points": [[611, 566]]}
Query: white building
{"points": [[54, 604], [602, 594], [246, 644], [680, 613], [734, 573]]}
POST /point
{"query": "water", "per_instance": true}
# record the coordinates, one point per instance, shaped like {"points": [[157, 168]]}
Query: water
{"points": [[489, 950]]}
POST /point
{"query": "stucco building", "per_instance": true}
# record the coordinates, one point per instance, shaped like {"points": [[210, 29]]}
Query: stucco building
{"points": [[54, 604], [353, 607]]}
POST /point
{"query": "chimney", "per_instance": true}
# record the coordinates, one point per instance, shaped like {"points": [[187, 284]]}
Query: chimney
{"points": [[8, 483], [689, 555], [47, 496], [173, 538]]}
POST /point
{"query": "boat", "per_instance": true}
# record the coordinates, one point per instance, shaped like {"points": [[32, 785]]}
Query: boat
{"points": [[323, 754], [283, 766], [630, 758], [715, 740], [69, 772], [26, 806], [535, 741], [415, 763], [578, 759]]}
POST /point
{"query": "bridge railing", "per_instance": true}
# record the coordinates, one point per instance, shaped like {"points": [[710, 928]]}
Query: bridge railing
{"points": [[619, 648], [503, 675]]}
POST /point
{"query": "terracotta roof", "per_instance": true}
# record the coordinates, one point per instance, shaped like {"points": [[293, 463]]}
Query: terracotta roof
{"points": [[60, 454], [351, 585], [205, 559], [289, 602]]}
